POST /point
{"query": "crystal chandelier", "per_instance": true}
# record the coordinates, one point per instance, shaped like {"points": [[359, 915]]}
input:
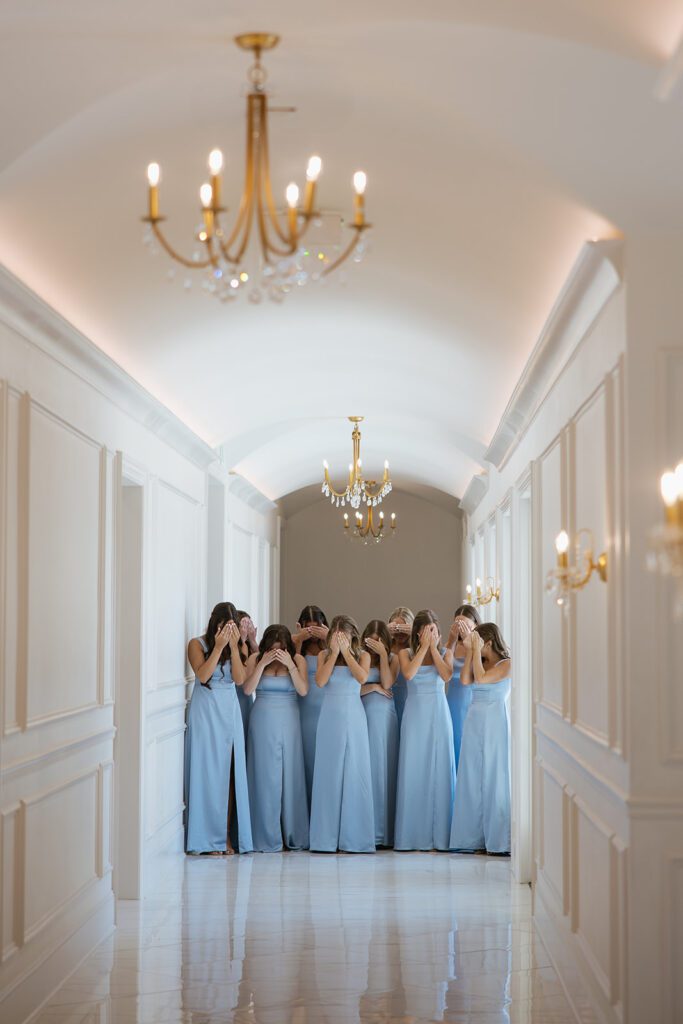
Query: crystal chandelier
{"points": [[357, 489], [365, 528], [288, 252]]}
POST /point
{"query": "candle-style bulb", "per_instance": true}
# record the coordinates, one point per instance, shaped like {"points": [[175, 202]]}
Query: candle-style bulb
{"points": [[562, 542], [206, 195], [315, 166], [381, 515], [669, 488], [215, 161], [678, 473], [386, 464], [325, 464], [153, 174], [360, 180], [292, 195], [478, 582], [393, 515]]}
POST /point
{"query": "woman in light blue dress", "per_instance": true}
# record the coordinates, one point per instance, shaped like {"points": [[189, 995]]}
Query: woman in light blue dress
{"points": [[459, 697], [215, 762], [309, 639], [426, 762], [248, 646], [382, 721], [275, 756], [400, 625], [342, 815], [481, 816]]}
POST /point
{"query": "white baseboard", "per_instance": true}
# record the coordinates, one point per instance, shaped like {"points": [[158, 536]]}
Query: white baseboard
{"points": [[32, 991]]}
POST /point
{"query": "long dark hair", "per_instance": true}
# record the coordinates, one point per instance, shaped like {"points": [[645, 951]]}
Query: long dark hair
{"points": [[469, 611], [424, 618], [378, 628], [489, 631], [223, 612], [276, 634], [311, 613], [244, 644]]}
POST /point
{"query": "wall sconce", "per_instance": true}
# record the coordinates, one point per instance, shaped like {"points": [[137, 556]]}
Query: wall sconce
{"points": [[485, 597], [666, 540], [566, 577]]}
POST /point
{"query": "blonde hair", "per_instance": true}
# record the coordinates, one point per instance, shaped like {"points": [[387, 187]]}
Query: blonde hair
{"points": [[345, 624], [402, 613]]}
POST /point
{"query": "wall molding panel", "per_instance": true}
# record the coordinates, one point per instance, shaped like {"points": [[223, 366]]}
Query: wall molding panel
{"points": [[564, 430]]}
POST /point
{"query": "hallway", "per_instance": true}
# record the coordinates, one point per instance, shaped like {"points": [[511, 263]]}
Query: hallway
{"points": [[303, 938]]}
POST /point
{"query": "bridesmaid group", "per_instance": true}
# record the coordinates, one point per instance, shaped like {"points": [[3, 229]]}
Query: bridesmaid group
{"points": [[331, 739]]}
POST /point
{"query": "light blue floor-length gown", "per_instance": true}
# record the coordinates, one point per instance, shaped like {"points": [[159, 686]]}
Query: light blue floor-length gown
{"points": [[309, 712], [426, 766], [341, 810], [275, 768], [383, 739], [459, 698], [400, 692], [481, 816], [246, 702], [214, 740]]}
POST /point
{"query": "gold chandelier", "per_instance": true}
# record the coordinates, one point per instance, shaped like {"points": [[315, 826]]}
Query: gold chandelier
{"points": [[357, 490], [366, 528], [285, 258]]}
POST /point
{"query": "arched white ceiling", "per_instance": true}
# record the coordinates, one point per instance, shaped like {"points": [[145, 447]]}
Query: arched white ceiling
{"points": [[497, 137]]}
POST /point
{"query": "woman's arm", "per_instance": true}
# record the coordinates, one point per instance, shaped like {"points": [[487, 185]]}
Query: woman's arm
{"points": [[386, 675], [501, 670], [327, 659], [202, 666], [367, 688], [442, 662], [359, 673], [236, 663], [253, 671], [409, 666], [466, 677], [296, 666]]}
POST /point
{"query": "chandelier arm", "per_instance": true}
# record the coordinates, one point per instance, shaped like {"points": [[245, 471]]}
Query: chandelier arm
{"points": [[263, 173], [358, 231], [226, 245], [199, 265], [337, 494]]}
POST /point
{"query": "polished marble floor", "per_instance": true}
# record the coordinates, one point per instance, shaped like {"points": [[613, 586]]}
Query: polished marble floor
{"points": [[305, 938]]}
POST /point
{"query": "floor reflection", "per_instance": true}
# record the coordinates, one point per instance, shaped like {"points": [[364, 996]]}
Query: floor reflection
{"points": [[303, 938]]}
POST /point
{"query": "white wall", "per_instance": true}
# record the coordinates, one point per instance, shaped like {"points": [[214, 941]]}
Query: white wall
{"points": [[73, 429], [570, 454], [420, 567]]}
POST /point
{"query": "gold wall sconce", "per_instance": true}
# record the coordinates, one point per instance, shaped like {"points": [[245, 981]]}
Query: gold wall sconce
{"points": [[567, 577], [481, 597], [666, 540]]}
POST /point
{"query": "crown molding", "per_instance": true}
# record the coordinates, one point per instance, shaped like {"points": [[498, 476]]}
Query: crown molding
{"points": [[239, 487], [595, 276], [41, 325], [475, 492]]}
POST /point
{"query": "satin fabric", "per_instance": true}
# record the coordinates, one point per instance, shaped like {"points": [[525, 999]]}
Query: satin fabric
{"points": [[275, 768], [400, 692], [426, 766], [342, 815], [481, 816], [459, 698], [309, 712], [214, 736], [382, 722]]}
